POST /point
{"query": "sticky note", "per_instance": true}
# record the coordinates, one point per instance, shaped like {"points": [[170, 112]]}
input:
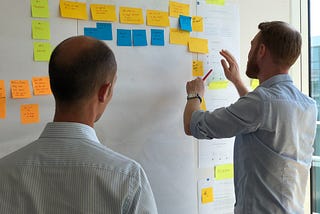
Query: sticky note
{"points": [[224, 171], [103, 31], [139, 37], [197, 68], [29, 113], [124, 37], [41, 85], [179, 37], [73, 10], [40, 8], [42, 51], [254, 83], [197, 23], [185, 23], [216, 2], [214, 85], [3, 108], [157, 37], [2, 89], [207, 195], [20, 89], [129, 15], [40, 29], [176, 9], [198, 45], [103, 12], [157, 18]]}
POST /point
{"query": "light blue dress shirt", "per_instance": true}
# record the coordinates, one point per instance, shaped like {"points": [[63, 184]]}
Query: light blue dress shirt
{"points": [[275, 129], [67, 171]]}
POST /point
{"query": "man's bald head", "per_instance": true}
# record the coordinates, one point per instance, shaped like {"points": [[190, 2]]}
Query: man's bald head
{"points": [[78, 67]]}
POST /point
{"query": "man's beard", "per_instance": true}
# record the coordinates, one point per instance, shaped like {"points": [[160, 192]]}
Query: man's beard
{"points": [[252, 66]]}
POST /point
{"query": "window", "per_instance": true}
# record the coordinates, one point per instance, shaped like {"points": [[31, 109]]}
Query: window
{"points": [[314, 33]]}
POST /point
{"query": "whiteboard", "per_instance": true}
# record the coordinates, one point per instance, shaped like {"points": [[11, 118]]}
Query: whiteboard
{"points": [[144, 119]]}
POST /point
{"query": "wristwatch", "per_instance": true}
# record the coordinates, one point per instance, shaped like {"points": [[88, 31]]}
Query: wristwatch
{"points": [[193, 96]]}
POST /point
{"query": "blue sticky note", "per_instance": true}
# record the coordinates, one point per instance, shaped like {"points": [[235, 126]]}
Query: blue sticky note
{"points": [[157, 37], [105, 31], [185, 23], [102, 32], [139, 37], [124, 37]]}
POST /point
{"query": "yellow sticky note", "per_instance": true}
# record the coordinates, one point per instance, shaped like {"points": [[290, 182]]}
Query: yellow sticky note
{"points": [[2, 89], [198, 45], [197, 68], [103, 12], [157, 18], [40, 29], [179, 37], [29, 113], [129, 15], [224, 171], [3, 108], [254, 83], [42, 51], [20, 89], [41, 85], [74, 10], [218, 85], [203, 105], [176, 9], [40, 8], [217, 2], [197, 23], [207, 195]]}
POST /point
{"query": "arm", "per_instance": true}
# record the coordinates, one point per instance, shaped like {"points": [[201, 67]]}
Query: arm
{"points": [[195, 86], [232, 72]]}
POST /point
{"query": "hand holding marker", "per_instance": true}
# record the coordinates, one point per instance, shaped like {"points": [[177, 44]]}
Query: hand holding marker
{"points": [[206, 76]]}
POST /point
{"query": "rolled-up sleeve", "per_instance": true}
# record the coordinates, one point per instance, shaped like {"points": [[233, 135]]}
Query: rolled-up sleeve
{"points": [[244, 116]]}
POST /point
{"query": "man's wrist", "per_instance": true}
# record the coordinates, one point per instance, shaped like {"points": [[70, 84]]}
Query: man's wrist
{"points": [[192, 96]]}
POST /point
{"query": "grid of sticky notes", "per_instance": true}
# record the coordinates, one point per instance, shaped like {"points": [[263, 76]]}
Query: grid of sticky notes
{"points": [[41, 33], [21, 89]]}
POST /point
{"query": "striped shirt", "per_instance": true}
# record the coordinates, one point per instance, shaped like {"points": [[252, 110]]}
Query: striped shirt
{"points": [[67, 170]]}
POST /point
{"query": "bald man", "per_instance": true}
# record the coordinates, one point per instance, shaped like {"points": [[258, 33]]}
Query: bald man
{"points": [[67, 169]]}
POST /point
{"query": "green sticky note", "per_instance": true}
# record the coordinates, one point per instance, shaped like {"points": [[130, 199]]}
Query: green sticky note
{"points": [[224, 171], [40, 29], [217, 2], [42, 51], [40, 8]]}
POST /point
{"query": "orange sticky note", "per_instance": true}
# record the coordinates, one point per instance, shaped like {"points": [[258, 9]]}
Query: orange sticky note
{"points": [[207, 195], [197, 23], [157, 18], [74, 10], [41, 85], [103, 12], [3, 108], [197, 68], [20, 89], [2, 89], [129, 15], [176, 9], [29, 113], [179, 37]]}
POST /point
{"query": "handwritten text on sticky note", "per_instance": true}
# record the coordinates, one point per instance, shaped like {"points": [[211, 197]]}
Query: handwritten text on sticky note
{"points": [[157, 18], [179, 37], [176, 9], [20, 89], [129, 15], [41, 85], [198, 45], [207, 195], [74, 10], [102, 12], [29, 113], [40, 8], [224, 171]]}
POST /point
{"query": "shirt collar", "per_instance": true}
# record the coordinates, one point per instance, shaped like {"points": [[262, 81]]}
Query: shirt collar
{"points": [[69, 130], [276, 79]]}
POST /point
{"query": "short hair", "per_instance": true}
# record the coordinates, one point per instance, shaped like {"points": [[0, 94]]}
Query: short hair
{"points": [[78, 78], [283, 41]]}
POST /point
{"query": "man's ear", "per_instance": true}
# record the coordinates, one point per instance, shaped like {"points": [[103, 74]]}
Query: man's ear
{"points": [[262, 50], [104, 91]]}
